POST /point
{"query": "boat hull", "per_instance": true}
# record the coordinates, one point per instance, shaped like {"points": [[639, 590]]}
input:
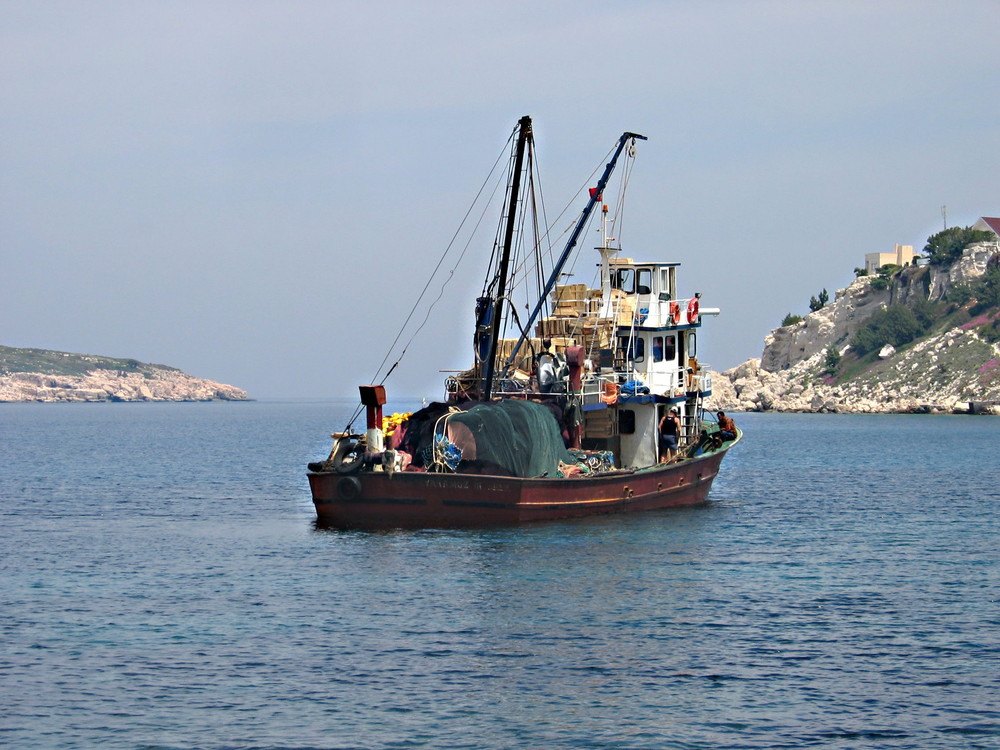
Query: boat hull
{"points": [[372, 500]]}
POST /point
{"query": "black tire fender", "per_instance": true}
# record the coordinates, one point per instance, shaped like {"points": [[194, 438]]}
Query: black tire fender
{"points": [[340, 462], [349, 488]]}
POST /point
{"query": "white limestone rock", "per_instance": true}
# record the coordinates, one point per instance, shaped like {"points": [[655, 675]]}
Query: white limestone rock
{"points": [[965, 270], [834, 323], [158, 384]]}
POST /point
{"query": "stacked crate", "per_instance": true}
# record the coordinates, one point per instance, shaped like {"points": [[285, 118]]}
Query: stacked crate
{"points": [[576, 317], [600, 423], [549, 328], [570, 299], [569, 305], [598, 333], [531, 348], [523, 363], [624, 308]]}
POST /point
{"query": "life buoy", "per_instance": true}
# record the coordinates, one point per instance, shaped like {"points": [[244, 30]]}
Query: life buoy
{"points": [[344, 465], [693, 310], [675, 312]]}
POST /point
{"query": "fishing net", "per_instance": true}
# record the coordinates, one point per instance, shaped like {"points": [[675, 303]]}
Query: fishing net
{"points": [[510, 437]]}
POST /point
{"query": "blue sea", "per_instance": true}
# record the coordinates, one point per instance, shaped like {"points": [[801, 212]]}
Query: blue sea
{"points": [[164, 585]]}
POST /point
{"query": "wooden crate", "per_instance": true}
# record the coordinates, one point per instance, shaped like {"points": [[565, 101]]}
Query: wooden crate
{"points": [[602, 423], [556, 327]]}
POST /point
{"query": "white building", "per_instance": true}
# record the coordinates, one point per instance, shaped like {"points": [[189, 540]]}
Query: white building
{"points": [[902, 255], [988, 224]]}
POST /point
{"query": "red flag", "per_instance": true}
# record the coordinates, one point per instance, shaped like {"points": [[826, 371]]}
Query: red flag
{"points": [[593, 194]]}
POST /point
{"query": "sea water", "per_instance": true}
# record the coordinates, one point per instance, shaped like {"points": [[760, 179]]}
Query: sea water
{"points": [[164, 585]]}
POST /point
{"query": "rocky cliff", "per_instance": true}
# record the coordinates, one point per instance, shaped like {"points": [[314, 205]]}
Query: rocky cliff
{"points": [[43, 375], [957, 361]]}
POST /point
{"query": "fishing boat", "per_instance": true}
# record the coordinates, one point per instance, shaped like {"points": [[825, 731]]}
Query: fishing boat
{"points": [[571, 410]]}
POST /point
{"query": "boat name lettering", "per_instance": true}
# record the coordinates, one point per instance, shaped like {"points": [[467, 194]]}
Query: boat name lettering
{"points": [[450, 484]]}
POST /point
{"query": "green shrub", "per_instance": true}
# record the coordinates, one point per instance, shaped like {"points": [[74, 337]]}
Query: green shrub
{"points": [[832, 359], [791, 320], [960, 294], [818, 303], [945, 247], [896, 325], [991, 332], [889, 270], [927, 313], [987, 289]]}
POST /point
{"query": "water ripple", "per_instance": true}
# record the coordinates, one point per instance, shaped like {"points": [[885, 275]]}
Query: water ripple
{"points": [[160, 594]]}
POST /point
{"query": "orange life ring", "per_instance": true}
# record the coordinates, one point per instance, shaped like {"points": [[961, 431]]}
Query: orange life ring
{"points": [[675, 312], [693, 310]]}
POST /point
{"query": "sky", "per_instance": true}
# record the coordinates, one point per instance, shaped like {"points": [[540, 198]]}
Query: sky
{"points": [[256, 191]]}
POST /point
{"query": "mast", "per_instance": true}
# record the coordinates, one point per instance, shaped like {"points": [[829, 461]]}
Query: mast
{"points": [[606, 251], [501, 289], [596, 195]]}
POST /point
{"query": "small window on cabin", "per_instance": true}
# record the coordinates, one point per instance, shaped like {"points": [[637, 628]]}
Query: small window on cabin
{"points": [[624, 279], [634, 349], [645, 283], [665, 282], [692, 344], [626, 422], [657, 348], [670, 348]]}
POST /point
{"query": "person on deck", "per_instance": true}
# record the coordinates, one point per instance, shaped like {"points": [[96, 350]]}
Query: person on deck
{"points": [[545, 368], [670, 429], [727, 427]]}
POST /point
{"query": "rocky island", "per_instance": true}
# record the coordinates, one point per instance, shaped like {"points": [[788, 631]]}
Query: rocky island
{"points": [[922, 336], [50, 376]]}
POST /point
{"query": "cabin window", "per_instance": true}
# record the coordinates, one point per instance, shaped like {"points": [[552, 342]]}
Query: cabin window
{"points": [[624, 279], [692, 344], [665, 282], [645, 281], [664, 348], [626, 422], [634, 349]]}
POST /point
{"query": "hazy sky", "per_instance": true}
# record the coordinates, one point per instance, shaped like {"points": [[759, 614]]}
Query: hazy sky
{"points": [[255, 191]]}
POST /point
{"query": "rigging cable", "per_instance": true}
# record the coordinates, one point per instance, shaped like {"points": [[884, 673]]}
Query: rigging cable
{"points": [[490, 282], [623, 182], [623, 179], [548, 236], [624, 176], [437, 267], [586, 184], [430, 279]]}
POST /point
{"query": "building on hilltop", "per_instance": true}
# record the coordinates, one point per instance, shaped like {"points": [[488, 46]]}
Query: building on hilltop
{"points": [[988, 224], [902, 255]]}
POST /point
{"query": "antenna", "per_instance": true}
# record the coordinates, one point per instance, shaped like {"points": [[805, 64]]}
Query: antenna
{"points": [[944, 216]]}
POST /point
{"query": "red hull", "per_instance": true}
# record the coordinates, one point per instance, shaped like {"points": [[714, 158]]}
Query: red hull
{"points": [[423, 500]]}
